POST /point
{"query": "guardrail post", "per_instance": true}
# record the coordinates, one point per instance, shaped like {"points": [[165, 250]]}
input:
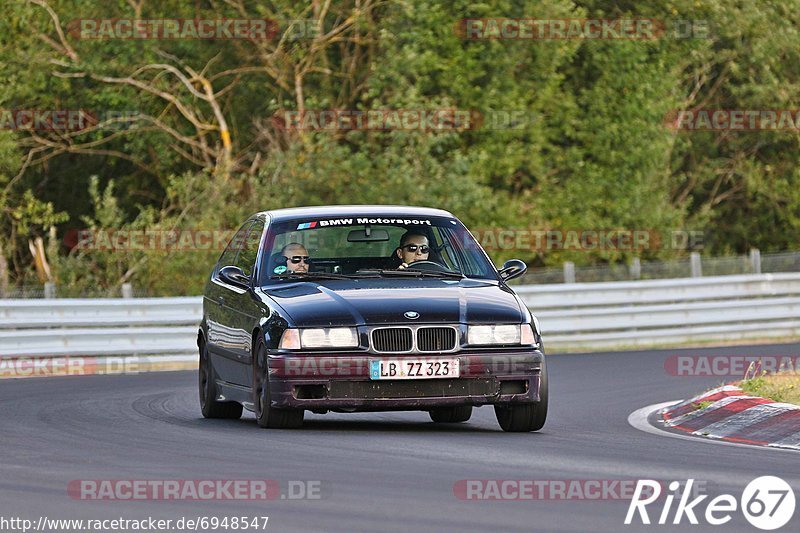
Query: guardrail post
{"points": [[697, 266], [3, 273], [49, 290], [569, 272], [127, 290], [636, 268], [755, 260]]}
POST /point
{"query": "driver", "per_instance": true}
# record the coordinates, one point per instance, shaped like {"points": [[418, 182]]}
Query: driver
{"points": [[413, 247]]}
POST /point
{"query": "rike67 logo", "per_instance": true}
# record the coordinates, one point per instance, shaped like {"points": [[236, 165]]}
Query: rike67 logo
{"points": [[767, 502]]}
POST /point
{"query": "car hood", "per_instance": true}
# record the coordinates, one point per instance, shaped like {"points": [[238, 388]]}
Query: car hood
{"points": [[384, 301]]}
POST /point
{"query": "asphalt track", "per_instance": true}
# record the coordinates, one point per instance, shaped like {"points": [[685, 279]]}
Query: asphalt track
{"points": [[378, 471]]}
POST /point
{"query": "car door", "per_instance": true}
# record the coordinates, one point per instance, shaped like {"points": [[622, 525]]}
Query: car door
{"points": [[242, 307], [221, 321]]}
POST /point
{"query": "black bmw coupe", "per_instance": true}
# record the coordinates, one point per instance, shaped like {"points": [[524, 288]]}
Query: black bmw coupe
{"points": [[366, 308]]}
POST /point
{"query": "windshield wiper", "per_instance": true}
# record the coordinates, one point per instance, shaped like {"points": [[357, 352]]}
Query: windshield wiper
{"points": [[410, 273], [297, 276], [313, 275]]}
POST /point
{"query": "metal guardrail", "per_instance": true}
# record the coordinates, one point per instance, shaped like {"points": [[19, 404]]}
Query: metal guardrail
{"points": [[695, 265], [588, 316], [93, 327], [576, 316], [109, 312]]}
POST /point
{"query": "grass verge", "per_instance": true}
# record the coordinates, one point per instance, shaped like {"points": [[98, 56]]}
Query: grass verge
{"points": [[779, 387]]}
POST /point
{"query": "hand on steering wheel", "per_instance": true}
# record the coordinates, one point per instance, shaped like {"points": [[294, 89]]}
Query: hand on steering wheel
{"points": [[424, 263]]}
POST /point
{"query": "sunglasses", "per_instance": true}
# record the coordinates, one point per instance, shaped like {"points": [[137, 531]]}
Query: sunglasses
{"points": [[295, 259], [424, 248]]}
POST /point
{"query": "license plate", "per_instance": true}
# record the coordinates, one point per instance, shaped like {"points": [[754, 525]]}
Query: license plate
{"points": [[413, 368]]}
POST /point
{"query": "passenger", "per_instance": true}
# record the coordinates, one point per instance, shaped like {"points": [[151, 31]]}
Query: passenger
{"points": [[296, 257]]}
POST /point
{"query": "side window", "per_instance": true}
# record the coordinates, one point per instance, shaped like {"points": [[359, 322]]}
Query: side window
{"points": [[466, 253], [228, 257], [249, 251]]}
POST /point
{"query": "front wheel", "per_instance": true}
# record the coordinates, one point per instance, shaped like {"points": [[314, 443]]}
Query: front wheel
{"points": [[526, 416], [266, 415], [209, 405]]}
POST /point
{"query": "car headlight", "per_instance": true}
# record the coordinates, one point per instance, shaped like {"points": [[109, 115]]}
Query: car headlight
{"points": [[295, 339], [494, 334]]}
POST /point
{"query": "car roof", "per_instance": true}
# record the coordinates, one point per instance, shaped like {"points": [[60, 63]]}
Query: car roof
{"points": [[354, 210]]}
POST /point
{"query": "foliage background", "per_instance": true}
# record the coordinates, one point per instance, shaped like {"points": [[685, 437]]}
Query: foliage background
{"points": [[595, 153]]}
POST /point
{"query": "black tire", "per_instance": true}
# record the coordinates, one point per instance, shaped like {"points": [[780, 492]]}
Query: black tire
{"points": [[209, 405], [451, 415], [527, 416], [266, 415]]}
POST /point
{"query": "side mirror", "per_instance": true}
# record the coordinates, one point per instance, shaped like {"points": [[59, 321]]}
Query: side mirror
{"points": [[233, 275], [512, 268]]}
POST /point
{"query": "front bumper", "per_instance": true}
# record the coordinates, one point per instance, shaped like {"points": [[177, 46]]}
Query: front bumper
{"points": [[331, 382]]}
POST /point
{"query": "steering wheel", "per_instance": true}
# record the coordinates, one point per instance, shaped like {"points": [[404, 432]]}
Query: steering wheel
{"points": [[430, 266]]}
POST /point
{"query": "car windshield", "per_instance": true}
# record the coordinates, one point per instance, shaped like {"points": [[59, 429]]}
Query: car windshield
{"points": [[372, 246]]}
